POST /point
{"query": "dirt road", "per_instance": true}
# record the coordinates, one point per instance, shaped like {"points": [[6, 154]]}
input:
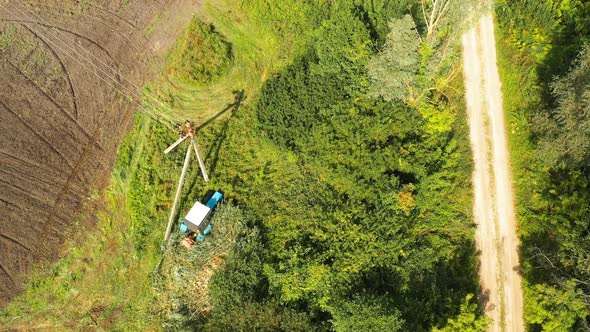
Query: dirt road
{"points": [[494, 211]]}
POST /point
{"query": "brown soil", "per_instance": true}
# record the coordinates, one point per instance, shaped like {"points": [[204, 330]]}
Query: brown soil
{"points": [[60, 124]]}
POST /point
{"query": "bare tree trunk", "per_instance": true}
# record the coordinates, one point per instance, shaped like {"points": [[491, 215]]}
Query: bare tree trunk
{"points": [[438, 9]]}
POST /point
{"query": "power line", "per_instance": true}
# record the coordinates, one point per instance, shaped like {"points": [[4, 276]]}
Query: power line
{"points": [[88, 52], [48, 40], [75, 51]]}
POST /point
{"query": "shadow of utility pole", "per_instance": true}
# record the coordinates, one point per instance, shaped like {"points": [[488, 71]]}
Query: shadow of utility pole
{"points": [[213, 152], [216, 147], [239, 99]]}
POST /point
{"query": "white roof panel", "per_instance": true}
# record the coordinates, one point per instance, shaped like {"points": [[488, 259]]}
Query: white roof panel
{"points": [[197, 213]]}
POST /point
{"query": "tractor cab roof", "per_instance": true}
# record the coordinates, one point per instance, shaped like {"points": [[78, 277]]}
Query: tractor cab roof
{"points": [[196, 216]]}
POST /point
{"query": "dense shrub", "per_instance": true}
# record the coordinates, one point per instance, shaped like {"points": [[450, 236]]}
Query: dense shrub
{"points": [[356, 196], [201, 55]]}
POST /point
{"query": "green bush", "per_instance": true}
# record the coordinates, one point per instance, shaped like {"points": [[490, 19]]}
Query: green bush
{"points": [[200, 56]]}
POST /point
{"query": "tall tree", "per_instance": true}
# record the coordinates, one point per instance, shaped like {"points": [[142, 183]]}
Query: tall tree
{"points": [[393, 71], [565, 131]]}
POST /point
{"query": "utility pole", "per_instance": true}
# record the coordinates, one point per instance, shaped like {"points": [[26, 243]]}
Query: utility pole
{"points": [[178, 191], [186, 132]]}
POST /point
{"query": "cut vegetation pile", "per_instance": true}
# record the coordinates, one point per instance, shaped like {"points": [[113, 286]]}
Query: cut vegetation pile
{"points": [[182, 277]]}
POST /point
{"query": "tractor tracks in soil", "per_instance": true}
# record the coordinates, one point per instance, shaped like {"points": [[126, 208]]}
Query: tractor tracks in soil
{"points": [[59, 123], [61, 64]]}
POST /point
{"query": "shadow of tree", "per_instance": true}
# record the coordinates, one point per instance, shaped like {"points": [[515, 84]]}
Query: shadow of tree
{"points": [[426, 297], [566, 44]]}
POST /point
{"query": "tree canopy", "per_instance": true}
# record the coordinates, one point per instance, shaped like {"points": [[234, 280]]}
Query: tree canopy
{"points": [[565, 130], [394, 70], [361, 198]]}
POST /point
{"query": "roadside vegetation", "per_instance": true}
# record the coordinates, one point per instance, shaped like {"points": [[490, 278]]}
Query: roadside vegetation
{"points": [[546, 81], [346, 173]]}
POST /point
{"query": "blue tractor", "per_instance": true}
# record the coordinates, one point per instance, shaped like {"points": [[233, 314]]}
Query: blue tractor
{"points": [[195, 224]]}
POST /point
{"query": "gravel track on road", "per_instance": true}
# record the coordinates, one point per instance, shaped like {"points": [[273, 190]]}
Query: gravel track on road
{"points": [[494, 211]]}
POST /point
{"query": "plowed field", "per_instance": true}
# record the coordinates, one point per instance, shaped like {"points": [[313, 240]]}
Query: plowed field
{"points": [[65, 67]]}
